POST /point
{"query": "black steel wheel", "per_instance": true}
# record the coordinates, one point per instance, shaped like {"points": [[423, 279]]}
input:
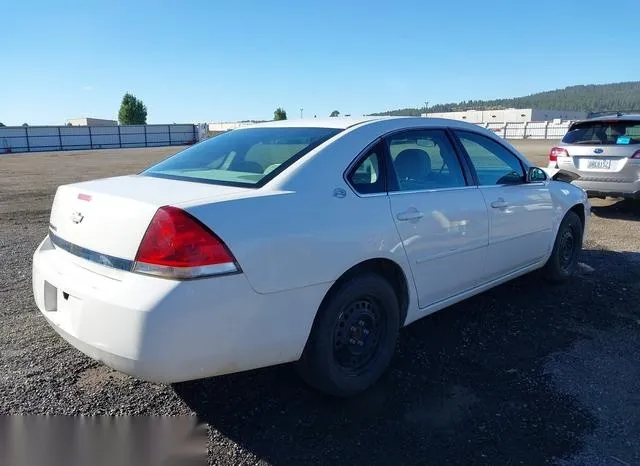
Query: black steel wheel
{"points": [[564, 258], [357, 334], [353, 337]]}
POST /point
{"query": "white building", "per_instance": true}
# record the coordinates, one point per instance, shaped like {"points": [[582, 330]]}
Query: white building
{"points": [[509, 115], [91, 122]]}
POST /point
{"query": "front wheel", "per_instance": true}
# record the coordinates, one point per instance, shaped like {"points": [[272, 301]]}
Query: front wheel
{"points": [[353, 338], [564, 258]]}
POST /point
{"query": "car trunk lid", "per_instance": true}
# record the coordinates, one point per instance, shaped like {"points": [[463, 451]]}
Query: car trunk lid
{"points": [[105, 220]]}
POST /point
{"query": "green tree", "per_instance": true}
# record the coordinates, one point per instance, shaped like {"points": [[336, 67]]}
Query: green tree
{"points": [[279, 114], [132, 111], [335, 113], [25, 124], [1, 124], [586, 98]]}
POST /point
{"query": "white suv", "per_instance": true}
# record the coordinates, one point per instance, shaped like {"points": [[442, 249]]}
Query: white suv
{"points": [[604, 152]]}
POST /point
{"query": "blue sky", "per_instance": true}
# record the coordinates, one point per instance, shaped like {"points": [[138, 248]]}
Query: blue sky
{"points": [[228, 60]]}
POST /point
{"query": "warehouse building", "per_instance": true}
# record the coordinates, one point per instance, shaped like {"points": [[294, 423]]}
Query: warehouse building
{"points": [[509, 115], [91, 122]]}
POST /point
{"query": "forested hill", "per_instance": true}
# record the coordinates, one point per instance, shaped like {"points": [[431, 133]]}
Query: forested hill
{"points": [[590, 98]]}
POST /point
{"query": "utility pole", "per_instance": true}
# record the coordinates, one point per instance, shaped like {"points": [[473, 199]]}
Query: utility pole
{"points": [[301, 113]]}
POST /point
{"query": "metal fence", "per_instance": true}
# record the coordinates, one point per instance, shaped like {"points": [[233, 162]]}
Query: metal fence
{"points": [[54, 138], [529, 130]]}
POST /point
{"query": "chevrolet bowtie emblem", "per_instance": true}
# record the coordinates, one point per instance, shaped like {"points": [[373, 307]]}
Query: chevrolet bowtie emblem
{"points": [[76, 217]]}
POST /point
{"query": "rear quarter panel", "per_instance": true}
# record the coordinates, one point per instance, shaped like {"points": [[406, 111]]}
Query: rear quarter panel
{"points": [[287, 240]]}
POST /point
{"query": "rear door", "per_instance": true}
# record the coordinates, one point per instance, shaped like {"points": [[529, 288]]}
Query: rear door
{"points": [[441, 218], [520, 213]]}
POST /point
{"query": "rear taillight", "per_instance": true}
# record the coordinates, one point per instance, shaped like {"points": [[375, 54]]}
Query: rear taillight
{"points": [[557, 152], [176, 245], [636, 155]]}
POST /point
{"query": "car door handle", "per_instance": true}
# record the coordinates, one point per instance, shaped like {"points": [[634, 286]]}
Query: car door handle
{"points": [[409, 215], [499, 204]]}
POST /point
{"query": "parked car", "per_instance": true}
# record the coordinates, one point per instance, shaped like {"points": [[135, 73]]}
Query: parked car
{"points": [[311, 242], [604, 154]]}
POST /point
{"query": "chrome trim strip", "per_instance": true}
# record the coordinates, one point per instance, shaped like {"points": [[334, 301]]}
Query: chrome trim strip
{"points": [[514, 185], [432, 190], [182, 273], [89, 255]]}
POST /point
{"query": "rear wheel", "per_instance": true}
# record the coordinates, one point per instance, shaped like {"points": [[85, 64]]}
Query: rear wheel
{"points": [[353, 338], [564, 258]]}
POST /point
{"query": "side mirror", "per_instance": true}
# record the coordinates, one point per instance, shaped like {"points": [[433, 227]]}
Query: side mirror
{"points": [[536, 175]]}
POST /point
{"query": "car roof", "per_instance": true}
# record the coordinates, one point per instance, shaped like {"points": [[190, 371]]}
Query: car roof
{"points": [[349, 122], [614, 117], [336, 122]]}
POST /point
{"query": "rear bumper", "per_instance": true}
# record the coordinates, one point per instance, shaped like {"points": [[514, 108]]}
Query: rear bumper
{"points": [[170, 331], [625, 183], [635, 195], [610, 189]]}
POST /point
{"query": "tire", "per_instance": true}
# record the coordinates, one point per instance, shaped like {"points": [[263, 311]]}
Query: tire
{"points": [[343, 357], [563, 262]]}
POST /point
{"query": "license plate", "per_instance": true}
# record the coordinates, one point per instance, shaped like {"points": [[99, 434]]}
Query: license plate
{"points": [[599, 164]]}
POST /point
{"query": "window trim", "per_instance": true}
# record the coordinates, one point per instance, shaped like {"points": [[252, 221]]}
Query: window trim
{"points": [[468, 181], [523, 166]]}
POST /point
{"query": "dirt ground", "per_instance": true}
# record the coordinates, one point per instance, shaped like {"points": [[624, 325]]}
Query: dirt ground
{"points": [[526, 373]]}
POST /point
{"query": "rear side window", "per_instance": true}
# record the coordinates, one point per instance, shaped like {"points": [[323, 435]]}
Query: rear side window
{"points": [[604, 133], [367, 177], [246, 157], [423, 160]]}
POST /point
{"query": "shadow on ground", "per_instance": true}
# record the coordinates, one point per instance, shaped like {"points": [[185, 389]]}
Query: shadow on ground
{"points": [[468, 384], [624, 209]]}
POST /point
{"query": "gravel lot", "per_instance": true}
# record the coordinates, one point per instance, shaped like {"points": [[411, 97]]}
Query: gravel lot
{"points": [[527, 373]]}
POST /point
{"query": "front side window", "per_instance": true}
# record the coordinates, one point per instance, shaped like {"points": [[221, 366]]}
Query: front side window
{"points": [[424, 159], [494, 164], [245, 157], [604, 133]]}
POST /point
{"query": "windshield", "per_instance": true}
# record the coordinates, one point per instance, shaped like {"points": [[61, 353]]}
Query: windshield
{"points": [[247, 157], [604, 133]]}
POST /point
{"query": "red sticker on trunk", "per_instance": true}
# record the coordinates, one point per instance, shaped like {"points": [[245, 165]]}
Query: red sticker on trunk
{"points": [[84, 197]]}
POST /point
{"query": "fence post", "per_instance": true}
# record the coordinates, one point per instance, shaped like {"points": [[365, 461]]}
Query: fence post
{"points": [[145, 136], [26, 135], [194, 134], [119, 138], [506, 128], [60, 138], [524, 130], [546, 129], [90, 138], [169, 126]]}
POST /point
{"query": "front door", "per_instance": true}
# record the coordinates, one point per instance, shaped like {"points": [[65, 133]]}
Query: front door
{"points": [[520, 213], [441, 218]]}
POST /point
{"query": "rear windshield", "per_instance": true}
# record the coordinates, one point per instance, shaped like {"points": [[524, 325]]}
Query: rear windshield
{"points": [[246, 157], [604, 133]]}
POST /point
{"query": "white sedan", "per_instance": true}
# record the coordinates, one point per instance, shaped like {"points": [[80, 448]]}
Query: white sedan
{"points": [[307, 241]]}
